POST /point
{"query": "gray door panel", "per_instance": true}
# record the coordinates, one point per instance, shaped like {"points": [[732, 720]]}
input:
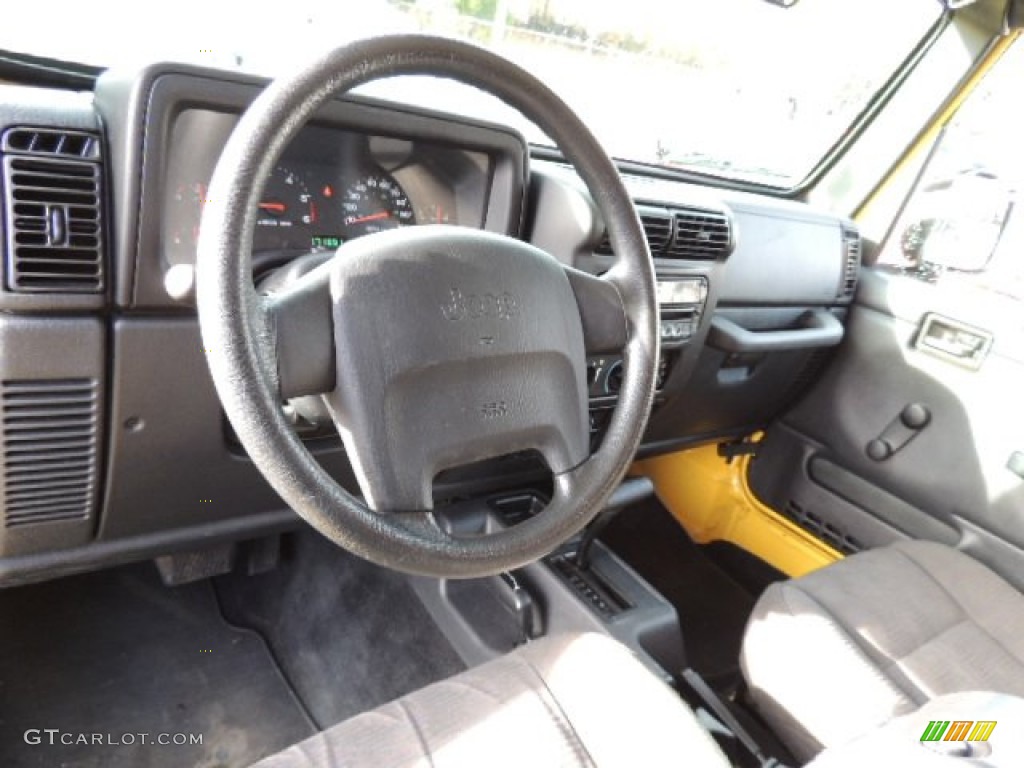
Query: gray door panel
{"points": [[936, 335], [949, 480]]}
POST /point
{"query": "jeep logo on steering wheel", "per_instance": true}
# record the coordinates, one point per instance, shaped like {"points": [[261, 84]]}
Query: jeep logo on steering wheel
{"points": [[476, 306]]}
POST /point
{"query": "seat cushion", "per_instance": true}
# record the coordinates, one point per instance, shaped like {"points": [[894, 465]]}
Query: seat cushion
{"points": [[834, 654], [560, 702]]}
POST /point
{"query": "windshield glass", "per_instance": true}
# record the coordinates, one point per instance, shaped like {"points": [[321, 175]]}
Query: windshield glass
{"points": [[738, 88]]}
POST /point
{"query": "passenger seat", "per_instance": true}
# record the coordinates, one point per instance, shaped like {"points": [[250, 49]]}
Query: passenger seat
{"points": [[841, 651]]}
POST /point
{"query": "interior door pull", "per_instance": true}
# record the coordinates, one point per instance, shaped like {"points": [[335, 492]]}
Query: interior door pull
{"points": [[900, 431], [953, 341], [818, 328]]}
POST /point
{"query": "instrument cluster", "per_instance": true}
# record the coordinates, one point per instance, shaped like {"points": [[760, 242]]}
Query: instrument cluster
{"points": [[330, 186]]}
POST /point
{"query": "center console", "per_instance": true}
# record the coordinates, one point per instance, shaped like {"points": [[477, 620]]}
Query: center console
{"points": [[570, 590]]}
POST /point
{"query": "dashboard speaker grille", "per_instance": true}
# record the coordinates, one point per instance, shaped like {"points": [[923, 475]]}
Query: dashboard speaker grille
{"points": [[700, 234], [50, 448], [53, 213]]}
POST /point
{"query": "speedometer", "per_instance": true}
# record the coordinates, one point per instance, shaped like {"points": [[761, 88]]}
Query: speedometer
{"points": [[374, 203]]}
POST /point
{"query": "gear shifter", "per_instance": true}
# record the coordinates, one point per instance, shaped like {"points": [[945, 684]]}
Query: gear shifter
{"points": [[522, 606], [632, 491]]}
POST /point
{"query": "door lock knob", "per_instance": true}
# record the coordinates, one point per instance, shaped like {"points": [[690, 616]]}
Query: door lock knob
{"points": [[901, 430], [915, 416]]}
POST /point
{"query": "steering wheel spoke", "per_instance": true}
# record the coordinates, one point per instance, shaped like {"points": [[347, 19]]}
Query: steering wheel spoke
{"points": [[602, 312], [299, 316]]}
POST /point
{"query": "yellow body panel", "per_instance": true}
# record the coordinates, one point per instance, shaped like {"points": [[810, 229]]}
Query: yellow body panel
{"points": [[712, 500]]}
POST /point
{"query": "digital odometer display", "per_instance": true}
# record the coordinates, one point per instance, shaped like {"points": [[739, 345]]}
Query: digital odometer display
{"points": [[325, 242]]}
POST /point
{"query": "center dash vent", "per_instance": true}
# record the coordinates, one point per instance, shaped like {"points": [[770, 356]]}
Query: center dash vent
{"points": [[851, 262], [700, 234], [50, 448], [54, 214], [657, 226]]}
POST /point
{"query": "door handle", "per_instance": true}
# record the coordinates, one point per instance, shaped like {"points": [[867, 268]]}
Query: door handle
{"points": [[953, 341]]}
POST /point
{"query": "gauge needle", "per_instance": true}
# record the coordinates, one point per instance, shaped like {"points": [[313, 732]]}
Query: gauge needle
{"points": [[276, 207], [371, 217]]}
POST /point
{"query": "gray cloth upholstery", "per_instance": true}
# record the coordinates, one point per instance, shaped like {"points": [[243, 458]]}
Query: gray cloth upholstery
{"points": [[832, 655], [570, 701]]}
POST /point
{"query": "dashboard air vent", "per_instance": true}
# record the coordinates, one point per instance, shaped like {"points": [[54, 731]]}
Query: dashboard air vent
{"points": [[50, 142], [657, 228], [851, 263], [50, 444], [700, 234], [54, 225]]}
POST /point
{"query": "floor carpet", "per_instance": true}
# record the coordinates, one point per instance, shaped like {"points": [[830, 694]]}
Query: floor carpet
{"points": [[349, 635], [113, 655]]}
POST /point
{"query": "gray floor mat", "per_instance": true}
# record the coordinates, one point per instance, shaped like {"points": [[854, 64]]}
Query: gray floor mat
{"points": [[347, 634], [117, 654]]}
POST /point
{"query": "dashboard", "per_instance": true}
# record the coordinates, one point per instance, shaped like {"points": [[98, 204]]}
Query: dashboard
{"points": [[102, 196]]}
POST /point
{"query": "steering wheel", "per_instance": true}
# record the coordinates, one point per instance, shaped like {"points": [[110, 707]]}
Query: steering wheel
{"points": [[433, 346]]}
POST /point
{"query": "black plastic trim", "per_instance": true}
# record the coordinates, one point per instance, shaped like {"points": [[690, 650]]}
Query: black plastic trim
{"points": [[42, 70], [104, 554]]}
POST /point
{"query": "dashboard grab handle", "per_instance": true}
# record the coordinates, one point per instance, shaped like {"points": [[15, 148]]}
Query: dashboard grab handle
{"points": [[819, 328]]}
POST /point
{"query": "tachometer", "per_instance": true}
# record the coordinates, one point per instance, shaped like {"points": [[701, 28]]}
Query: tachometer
{"points": [[286, 212], [375, 203]]}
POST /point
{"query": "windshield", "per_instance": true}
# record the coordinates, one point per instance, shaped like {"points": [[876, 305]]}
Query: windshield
{"points": [[737, 88]]}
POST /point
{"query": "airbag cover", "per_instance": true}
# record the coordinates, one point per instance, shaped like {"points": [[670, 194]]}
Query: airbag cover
{"points": [[453, 346]]}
